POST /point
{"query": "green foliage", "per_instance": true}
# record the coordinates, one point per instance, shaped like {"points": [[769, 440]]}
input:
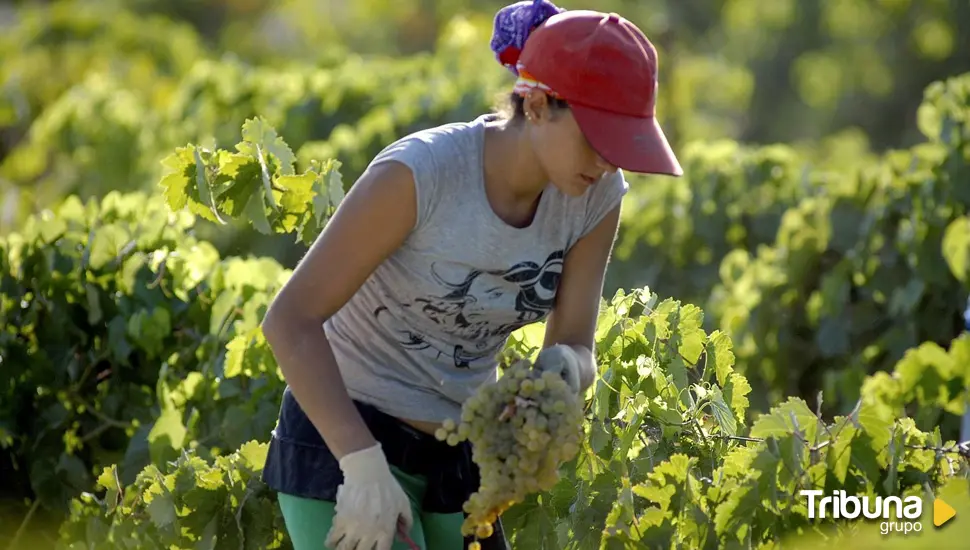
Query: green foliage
{"points": [[131, 361], [191, 504], [93, 138], [928, 382], [106, 132], [124, 340], [671, 460], [257, 182], [731, 197], [54, 47], [855, 276], [672, 452], [820, 271], [668, 458]]}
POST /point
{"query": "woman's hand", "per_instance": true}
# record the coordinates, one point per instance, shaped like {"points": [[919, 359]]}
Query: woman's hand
{"points": [[563, 361], [370, 504]]}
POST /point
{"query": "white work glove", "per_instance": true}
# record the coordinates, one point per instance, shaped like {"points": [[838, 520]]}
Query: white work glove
{"points": [[561, 360], [369, 503]]}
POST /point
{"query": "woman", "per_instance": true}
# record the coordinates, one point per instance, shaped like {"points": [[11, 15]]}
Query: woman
{"points": [[453, 238]]}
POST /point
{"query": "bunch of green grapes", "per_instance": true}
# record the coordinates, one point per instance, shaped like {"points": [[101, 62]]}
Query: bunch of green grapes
{"points": [[521, 429]]}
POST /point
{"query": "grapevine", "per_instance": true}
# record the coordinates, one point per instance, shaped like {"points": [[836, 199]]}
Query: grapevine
{"points": [[522, 428]]}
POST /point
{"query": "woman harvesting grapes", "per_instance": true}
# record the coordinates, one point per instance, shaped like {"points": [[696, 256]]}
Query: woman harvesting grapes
{"points": [[453, 238]]}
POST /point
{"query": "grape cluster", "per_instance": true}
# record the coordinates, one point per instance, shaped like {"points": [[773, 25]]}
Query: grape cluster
{"points": [[521, 429]]}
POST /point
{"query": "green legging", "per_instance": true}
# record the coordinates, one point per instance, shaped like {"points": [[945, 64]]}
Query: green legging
{"points": [[308, 520]]}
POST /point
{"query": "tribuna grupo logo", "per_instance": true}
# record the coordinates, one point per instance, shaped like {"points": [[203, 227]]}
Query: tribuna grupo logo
{"points": [[898, 515]]}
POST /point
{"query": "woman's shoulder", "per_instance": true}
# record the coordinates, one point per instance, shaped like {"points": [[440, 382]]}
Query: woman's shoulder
{"points": [[432, 152], [439, 157], [464, 134]]}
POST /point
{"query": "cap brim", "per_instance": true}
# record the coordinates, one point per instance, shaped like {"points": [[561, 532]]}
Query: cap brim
{"points": [[634, 144]]}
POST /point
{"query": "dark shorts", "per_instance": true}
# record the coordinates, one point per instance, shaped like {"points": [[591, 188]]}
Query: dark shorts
{"points": [[300, 463]]}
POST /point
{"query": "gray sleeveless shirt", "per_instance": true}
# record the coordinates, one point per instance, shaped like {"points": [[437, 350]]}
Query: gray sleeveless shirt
{"points": [[422, 332]]}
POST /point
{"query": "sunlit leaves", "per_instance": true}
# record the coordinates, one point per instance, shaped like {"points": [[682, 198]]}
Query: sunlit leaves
{"points": [[671, 455], [125, 339], [956, 248], [857, 256], [188, 503], [256, 183]]}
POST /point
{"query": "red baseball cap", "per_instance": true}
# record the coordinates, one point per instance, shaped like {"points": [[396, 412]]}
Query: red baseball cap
{"points": [[606, 69]]}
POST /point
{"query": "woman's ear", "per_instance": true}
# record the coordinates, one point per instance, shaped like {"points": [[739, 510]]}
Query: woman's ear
{"points": [[536, 106]]}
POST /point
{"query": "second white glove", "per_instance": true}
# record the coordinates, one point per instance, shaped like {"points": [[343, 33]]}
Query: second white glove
{"points": [[369, 503]]}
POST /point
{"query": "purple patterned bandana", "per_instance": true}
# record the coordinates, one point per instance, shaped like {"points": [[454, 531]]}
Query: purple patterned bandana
{"points": [[512, 27]]}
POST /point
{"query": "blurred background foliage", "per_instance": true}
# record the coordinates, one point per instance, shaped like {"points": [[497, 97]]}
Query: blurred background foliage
{"points": [[839, 77], [766, 101], [94, 94]]}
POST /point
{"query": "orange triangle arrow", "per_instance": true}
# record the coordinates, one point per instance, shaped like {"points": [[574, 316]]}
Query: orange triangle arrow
{"points": [[942, 512]]}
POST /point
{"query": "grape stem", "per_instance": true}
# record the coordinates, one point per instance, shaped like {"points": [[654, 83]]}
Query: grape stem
{"points": [[510, 409]]}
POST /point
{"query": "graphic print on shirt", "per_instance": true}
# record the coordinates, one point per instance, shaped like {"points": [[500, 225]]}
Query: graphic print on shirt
{"points": [[464, 307]]}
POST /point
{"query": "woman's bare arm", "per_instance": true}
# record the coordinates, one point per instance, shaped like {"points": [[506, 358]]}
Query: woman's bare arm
{"points": [[573, 319], [371, 222]]}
